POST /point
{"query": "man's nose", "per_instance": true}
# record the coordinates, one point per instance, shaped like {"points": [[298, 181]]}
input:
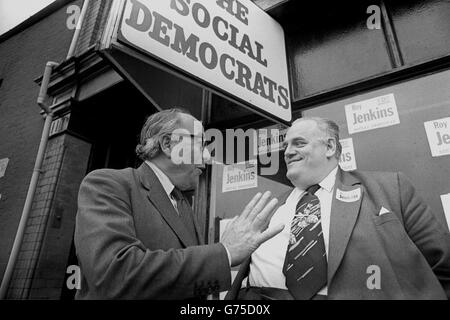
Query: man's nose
{"points": [[288, 153]]}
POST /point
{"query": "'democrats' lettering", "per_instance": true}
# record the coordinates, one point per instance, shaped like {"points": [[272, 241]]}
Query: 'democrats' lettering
{"points": [[222, 29]]}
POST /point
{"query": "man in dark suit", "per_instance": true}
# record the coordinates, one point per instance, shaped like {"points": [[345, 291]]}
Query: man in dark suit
{"points": [[136, 236], [352, 235]]}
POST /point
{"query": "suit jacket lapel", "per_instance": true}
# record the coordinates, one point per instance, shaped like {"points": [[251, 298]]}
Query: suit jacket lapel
{"points": [[342, 220], [160, 200]]}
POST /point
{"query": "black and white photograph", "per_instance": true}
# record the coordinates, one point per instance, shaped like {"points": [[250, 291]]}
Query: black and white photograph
{"points": [[224, 154]]}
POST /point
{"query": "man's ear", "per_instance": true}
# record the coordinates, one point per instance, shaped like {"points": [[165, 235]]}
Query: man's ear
{"points": [[166, 145], [331, 147]]}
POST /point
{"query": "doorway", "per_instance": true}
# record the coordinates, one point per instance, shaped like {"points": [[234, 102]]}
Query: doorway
{"points": [[111, 122]]}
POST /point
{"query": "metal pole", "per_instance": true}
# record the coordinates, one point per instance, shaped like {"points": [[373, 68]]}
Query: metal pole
{"points": [[33, 183]]}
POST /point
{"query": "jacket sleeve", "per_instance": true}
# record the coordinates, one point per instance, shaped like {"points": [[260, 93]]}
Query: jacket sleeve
{"points": [[116, 265], [430, 236]]}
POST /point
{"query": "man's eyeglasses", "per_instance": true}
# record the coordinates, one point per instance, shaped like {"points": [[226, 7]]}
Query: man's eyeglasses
{"points": [[196, 138]]}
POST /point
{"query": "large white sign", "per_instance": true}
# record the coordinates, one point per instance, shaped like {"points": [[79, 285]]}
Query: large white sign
{"points": [[372, 114], [233, 45], [438, 133], [239, 176], [347, 161]]}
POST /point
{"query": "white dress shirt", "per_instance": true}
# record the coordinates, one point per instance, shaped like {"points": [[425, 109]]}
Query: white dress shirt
{"points": [[266, 268]]}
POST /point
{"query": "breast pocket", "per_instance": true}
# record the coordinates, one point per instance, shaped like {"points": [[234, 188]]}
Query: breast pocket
{"points": [[384, 218]]}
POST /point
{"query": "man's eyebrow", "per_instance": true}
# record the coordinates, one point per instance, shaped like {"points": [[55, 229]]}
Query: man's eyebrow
{"points": [[294, 140], [299, 139]]}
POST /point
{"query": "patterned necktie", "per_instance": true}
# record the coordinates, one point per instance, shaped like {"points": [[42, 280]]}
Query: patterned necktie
{"points": [[185, 212], [305, 266]]}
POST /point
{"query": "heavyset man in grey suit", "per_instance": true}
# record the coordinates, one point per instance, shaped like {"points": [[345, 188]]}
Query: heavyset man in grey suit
{"points": [[136, 236], [358, 235]]}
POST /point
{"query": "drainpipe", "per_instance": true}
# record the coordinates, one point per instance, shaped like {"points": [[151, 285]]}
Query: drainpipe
{"points": [[76, 35], [34, 180]]}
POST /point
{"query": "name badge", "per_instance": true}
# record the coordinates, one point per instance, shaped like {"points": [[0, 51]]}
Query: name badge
{"points": [[348, 196]]}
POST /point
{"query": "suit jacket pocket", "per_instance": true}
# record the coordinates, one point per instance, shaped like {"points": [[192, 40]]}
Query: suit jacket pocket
{"points": [[386, 217]]}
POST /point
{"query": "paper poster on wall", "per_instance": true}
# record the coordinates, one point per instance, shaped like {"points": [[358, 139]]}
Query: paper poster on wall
{"points": [[347, 161], [271, 138], [438, 133], [445, 198], [3, 166], [239, 176], [372, 114]]}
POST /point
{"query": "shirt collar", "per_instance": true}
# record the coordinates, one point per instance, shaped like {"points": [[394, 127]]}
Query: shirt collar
{"points": [[162, 177], [328, 182]]}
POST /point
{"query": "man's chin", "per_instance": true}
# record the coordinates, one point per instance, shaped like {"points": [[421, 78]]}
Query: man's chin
{"points": [[296, 178], [292, 175]]}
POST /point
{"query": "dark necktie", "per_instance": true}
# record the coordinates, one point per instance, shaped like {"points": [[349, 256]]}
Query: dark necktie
{"points": [[185, 212], [305, 266]]}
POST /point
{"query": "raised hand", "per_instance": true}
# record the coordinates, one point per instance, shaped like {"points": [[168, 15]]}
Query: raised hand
{"points": [[246, 232]]}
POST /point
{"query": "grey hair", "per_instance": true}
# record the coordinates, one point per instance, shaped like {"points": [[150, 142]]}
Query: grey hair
{"points": [[155, 128], [329, 128]]}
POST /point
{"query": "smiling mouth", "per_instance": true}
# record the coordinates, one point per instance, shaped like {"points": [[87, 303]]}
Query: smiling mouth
{"points": [[295, 160]]}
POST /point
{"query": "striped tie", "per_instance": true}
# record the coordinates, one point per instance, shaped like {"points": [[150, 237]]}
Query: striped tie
{"points": [[305, 266]]}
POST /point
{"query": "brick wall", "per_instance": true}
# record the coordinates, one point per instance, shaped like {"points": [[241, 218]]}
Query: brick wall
{"points": [[22, 59], [42, 262], [95, 19], [50, 270], [37, 222]]}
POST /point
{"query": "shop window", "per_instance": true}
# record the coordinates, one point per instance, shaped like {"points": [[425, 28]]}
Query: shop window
{"points": [[422, 28], [329, 45]]}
